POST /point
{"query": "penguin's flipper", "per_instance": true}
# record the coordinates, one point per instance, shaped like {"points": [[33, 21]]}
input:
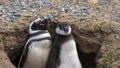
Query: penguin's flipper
{"points": [[53, 59], [15, 61], [22, 59]]}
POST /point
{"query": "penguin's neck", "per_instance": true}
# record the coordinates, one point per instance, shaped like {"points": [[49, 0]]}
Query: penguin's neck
{"points": [[38, 33], [66, 42], [37, 36], [61, 39], [64, 38]]}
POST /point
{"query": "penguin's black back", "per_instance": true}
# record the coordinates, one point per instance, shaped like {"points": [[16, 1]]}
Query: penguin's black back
{"points": [[54, 56]]}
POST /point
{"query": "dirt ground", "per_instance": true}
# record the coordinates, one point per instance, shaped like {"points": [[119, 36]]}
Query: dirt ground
{"points": [[97, 38]]}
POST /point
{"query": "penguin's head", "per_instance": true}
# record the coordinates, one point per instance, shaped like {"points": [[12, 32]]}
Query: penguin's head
{"points": [[38, 25], [63, 28]]}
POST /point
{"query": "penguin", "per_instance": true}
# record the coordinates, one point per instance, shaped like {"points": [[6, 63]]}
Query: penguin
{"points": [[63, 52], [37, 46]]}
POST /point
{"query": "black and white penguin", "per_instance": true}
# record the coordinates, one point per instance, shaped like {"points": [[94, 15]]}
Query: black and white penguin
{"points": [[37, 46], [63, 52]]}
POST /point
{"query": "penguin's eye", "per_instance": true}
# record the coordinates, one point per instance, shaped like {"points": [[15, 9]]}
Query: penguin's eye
{"points": [[60, 28]]}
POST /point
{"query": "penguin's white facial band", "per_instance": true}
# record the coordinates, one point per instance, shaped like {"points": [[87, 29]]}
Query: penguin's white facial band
{"points": [[63, 30], [30, 29]]}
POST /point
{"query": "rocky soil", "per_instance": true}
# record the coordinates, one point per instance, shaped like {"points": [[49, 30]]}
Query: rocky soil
{"points": [[95, 26], [4, 61]]}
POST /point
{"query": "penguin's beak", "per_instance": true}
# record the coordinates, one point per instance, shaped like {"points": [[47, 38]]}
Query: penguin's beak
{"points": [[42, 21], [66, 29], [38, 21], [45, 20]]}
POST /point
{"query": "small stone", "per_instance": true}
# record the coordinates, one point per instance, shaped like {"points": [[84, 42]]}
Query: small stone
{"points": [[1, 2], [83, 19], [63, 9], [117, 37], [85, 10], [11, 48], [1, 26], [93, 1], [34, 5], [1, 7], [27, 15], [84, 0], [49, 15], [16, 15], [84, 14], [70, 9], [10, 19], [1, 14]]}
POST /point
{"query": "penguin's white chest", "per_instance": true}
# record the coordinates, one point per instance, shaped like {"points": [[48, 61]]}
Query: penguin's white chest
{"points": [[68, 56], [37, 54]]}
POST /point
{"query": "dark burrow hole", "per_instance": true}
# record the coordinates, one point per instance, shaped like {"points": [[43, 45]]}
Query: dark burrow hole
{"points": [[87, 60]]}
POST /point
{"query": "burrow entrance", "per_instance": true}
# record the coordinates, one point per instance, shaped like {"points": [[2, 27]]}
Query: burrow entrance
{"points": [[16, 38], [87, 60]]}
